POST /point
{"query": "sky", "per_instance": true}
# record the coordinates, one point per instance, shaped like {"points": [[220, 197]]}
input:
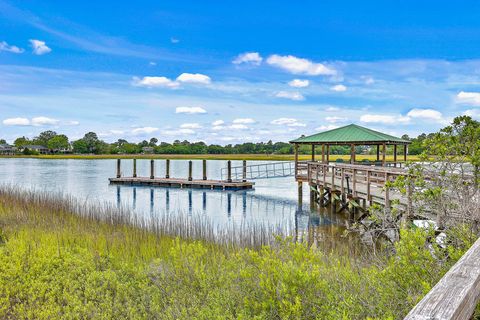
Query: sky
{"points": [[230, 72]]}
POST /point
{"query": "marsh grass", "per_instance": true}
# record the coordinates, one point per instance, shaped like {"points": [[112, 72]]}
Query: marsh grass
{"points": [[61, 258]]}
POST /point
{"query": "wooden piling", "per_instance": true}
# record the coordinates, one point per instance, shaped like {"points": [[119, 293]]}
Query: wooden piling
{"points": [[190, 169], [167, 169], [134, 168], [204, 166], [244, 171], [229, 171], [119, 174], [300, 193], [152, 169]]}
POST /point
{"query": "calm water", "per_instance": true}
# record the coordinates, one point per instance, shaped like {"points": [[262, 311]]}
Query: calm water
{"points": [[273, 201]]}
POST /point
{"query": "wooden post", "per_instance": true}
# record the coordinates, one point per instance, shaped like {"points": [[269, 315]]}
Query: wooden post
{"points": [[328, 153], [405, 152], [152, 170], [204, 165], [300, 193], [296, 159], [134, 168], [190, 164], [368, 187], [229, 171], [323, 153], [352, 154], [119, 173], [244, 171], [395, 154], [387, 193], [167, 169], [378, 152], [409, 201], [313, 152], [354, 183], [384, 154]]}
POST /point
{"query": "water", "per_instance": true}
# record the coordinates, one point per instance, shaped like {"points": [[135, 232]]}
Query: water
{"points": [[273, 201]]}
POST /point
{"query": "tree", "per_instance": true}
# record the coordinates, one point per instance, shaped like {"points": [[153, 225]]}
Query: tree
{"points": [[153, 142], [59, 142], [3, 141], [22, 141], [43, 138]]}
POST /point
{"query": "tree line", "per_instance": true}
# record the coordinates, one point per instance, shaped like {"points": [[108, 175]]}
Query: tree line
{"points": [[92, 144]]}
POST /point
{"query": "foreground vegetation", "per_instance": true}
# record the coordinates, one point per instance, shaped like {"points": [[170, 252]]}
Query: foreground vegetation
{"points": [[59, 259]]}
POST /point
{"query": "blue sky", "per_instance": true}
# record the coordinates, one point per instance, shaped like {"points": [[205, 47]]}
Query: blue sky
{"points": [[228, 72]]}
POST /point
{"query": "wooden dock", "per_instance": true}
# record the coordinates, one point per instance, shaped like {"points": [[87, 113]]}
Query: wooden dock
{"points": [[183, 183], [189, 182]]}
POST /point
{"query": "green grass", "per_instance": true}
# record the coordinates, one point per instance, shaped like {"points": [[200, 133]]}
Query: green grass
{"points": [[265, 157], [59, 259]]}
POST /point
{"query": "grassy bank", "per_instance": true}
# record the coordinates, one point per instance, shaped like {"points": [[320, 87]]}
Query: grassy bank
{"points": [[60, 259], [265, 157]]}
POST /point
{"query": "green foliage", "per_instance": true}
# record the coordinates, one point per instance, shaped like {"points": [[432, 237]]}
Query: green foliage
{"points": [[54, 264], [58, 142]]}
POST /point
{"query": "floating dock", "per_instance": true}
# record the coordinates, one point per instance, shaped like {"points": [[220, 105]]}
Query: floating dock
{"points": [[183, 183], [167, 182]]}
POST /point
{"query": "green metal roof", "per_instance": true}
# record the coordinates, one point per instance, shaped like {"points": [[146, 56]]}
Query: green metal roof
{"points": [[350, 134]]}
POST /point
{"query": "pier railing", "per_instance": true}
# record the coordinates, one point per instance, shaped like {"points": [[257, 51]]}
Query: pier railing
{"points": [[261, 171], [457, 294]]}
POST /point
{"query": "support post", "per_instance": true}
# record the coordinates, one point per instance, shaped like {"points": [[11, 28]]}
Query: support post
{"points": [[405, 152], [152, 169], [352, 154], [167, 169], [134, 168], [229, 171], [300, 193], [323, 153], [204, 166], [313, 152], [190, 164], [244, 171], [119, 173], [384, 154], [378, 152], [328, 153], [296, 159], [395, 154]]}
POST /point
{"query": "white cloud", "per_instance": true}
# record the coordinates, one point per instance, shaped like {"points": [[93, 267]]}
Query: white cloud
{"points": [[469, 98], [16, 122], [299, 83], [426, 114], [474, 113], [178, 132], [151, 82], [335, 119], [292, 95], [289, 122], [190, 126], [4, 46], [174, 40], [296, 65], [152, 63], [253, 58], [72, 123], [325, 128], [238, 127], [190, 110], [144, 130], [332, 109], [368, 80], [339, 88], [39, 47], [44, 121], [194, 78], [244, 120], [218, 127], [217, 123], [383, 118]]}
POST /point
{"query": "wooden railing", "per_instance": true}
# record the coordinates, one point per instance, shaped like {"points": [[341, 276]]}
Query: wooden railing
{"points": [[457, 294]]}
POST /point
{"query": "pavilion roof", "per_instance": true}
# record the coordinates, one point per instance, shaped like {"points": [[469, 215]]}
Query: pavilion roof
{"points": [[349, 134]]}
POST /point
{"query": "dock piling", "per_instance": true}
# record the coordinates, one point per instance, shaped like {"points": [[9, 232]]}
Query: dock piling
{"points": [[244, 171], [204, 164], [229, 171], [134, 168], [190, 178], [167, 169], [119, 174], [152, 170]]}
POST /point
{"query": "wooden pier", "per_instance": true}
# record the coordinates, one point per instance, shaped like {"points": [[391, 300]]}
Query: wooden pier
{"points": [[189, 182]]}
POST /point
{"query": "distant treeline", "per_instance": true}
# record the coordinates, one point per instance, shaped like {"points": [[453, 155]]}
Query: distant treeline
{"points": [[91, 144]]}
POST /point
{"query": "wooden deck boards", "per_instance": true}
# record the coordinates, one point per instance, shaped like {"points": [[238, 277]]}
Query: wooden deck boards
{"points": [[183, 183]]}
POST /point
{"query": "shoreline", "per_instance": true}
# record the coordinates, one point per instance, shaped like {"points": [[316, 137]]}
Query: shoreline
{"points": [[258, 157]]}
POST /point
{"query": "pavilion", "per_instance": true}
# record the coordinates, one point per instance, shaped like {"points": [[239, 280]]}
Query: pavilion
{"points": [[352, 135]]}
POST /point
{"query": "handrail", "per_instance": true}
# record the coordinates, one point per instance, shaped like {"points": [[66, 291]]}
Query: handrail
{"points": [[457, 294]]}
